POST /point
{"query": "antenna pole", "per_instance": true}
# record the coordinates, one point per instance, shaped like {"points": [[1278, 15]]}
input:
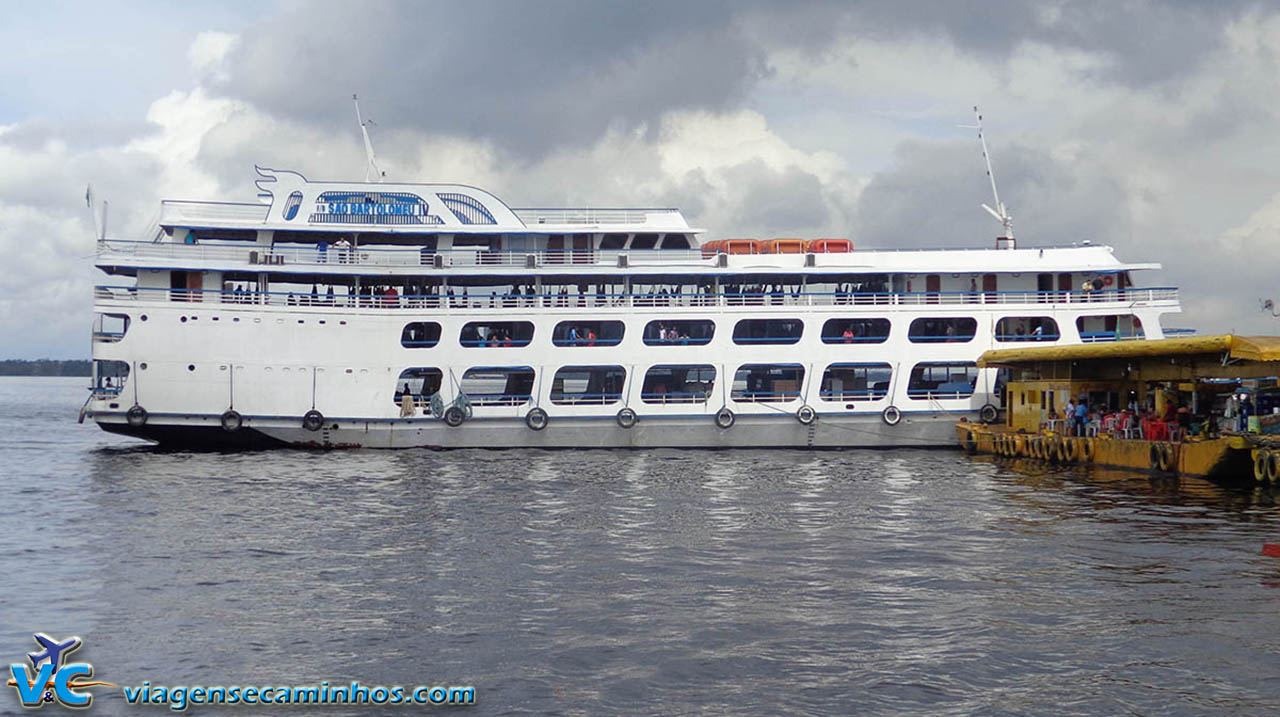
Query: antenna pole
{"points": [[1000, 212], [371, 169]]}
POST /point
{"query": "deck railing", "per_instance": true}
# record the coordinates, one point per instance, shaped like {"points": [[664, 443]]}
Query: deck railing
{"points": [[555, 300]]}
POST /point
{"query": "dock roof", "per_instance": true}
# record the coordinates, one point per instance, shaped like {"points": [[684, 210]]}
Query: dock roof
{"points": [[1222, 355]]}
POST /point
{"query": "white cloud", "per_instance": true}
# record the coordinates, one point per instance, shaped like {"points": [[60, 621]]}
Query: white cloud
{"points": [[208, 53]]}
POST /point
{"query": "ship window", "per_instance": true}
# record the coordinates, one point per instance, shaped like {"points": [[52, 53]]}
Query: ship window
{"points": [[698, 332], [613, 241], [110, 328], [420, 335], [678, 383], [109, 376], [588, 333], [644, 241], [849, 381], [1027, 328], [497, 334], [768, 331], [936, 331], [855, 331], [942, 379], [767, 383], [498, 385], [675, 241], [420, 382], [1111, 327], [598, 385]]}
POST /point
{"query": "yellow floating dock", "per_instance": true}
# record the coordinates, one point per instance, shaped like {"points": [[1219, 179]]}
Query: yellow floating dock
{"points": [[1042, 380]]}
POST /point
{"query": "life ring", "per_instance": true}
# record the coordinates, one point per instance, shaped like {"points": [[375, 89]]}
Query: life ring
{"points": [[627, 418], [1071, 450], [891, 415], [1153, 455], [1087, 450], [1108, 280], [806, 415], [536, 419], [136, 416], [969, 443], [1262, 465], [725, 418], [453, 416], [231, 421], [1273, 467], [312, 420], [988, 413]]}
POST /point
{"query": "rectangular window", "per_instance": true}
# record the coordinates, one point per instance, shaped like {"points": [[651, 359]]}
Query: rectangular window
{"points": [[1027, 328], [856, 381], [678, 383], [587, 333], [695, 332], [774, 332], [939, 331], [598, 385], [496, 334], [420, 383], [498, 385], [942, 379], [1111, 327], [855, 331], [767, 383]]}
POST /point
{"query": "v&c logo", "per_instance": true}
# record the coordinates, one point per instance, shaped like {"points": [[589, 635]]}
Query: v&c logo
{"points": [[53, 678]]}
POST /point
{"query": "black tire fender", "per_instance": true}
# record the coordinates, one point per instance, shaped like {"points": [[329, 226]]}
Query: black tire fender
{"points": [[136, 416], [627, 418], [313, 420], [725, 418], [453, 416], [891, 415], [988, 413], [806, 415], [536, 419], [231, 421]]}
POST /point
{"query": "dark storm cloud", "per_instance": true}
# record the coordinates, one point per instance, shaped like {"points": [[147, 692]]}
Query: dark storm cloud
{"points": [[932, 197], [534, 76], [529, 75]]}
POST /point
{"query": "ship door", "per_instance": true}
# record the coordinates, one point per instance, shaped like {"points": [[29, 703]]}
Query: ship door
{"points": [[933, 286], [1064, 286], [1044, 285], [989, 287], [581, 249], [186, 285], [555, 249]]}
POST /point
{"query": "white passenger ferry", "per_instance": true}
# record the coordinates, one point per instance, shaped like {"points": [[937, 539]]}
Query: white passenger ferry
{"points": [[398, 315]]}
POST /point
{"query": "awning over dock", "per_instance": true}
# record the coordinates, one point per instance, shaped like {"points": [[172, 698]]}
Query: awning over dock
{"points": [[1220, 356]]}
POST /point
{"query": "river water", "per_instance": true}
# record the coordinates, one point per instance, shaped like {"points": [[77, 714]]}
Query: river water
{"points": [[650, 582]]}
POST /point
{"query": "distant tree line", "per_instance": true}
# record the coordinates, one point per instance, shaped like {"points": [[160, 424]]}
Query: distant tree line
{"points": [[44, 367]]}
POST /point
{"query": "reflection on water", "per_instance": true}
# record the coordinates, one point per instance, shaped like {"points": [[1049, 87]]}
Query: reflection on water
{"points": [[594, 582]]}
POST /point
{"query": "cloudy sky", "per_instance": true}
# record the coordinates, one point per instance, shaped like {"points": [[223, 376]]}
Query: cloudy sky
{"points": [[1147, 126]]}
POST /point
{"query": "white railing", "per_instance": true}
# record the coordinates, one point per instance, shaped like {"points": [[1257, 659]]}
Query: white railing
{"points": [[495, 299], [533, 217], [312, 255]]}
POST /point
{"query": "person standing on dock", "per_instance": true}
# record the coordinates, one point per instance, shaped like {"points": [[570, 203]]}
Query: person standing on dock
{"points": [[1082, 413]]}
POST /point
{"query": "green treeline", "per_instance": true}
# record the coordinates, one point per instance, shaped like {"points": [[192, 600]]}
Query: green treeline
{"points": [[43, 367]]}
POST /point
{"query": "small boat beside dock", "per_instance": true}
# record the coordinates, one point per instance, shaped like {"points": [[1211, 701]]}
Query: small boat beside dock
{"points": [[1185, 406]]}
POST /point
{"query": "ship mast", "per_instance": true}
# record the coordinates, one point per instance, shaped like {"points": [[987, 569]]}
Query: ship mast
{"points": [[371, 170], [1000, 212]]}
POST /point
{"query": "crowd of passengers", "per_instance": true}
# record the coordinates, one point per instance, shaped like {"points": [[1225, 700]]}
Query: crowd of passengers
{"points": [[561, 296]]}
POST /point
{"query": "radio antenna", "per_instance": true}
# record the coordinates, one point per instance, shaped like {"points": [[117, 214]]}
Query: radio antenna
{"points": [[371, 170], [1000, 212]]}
